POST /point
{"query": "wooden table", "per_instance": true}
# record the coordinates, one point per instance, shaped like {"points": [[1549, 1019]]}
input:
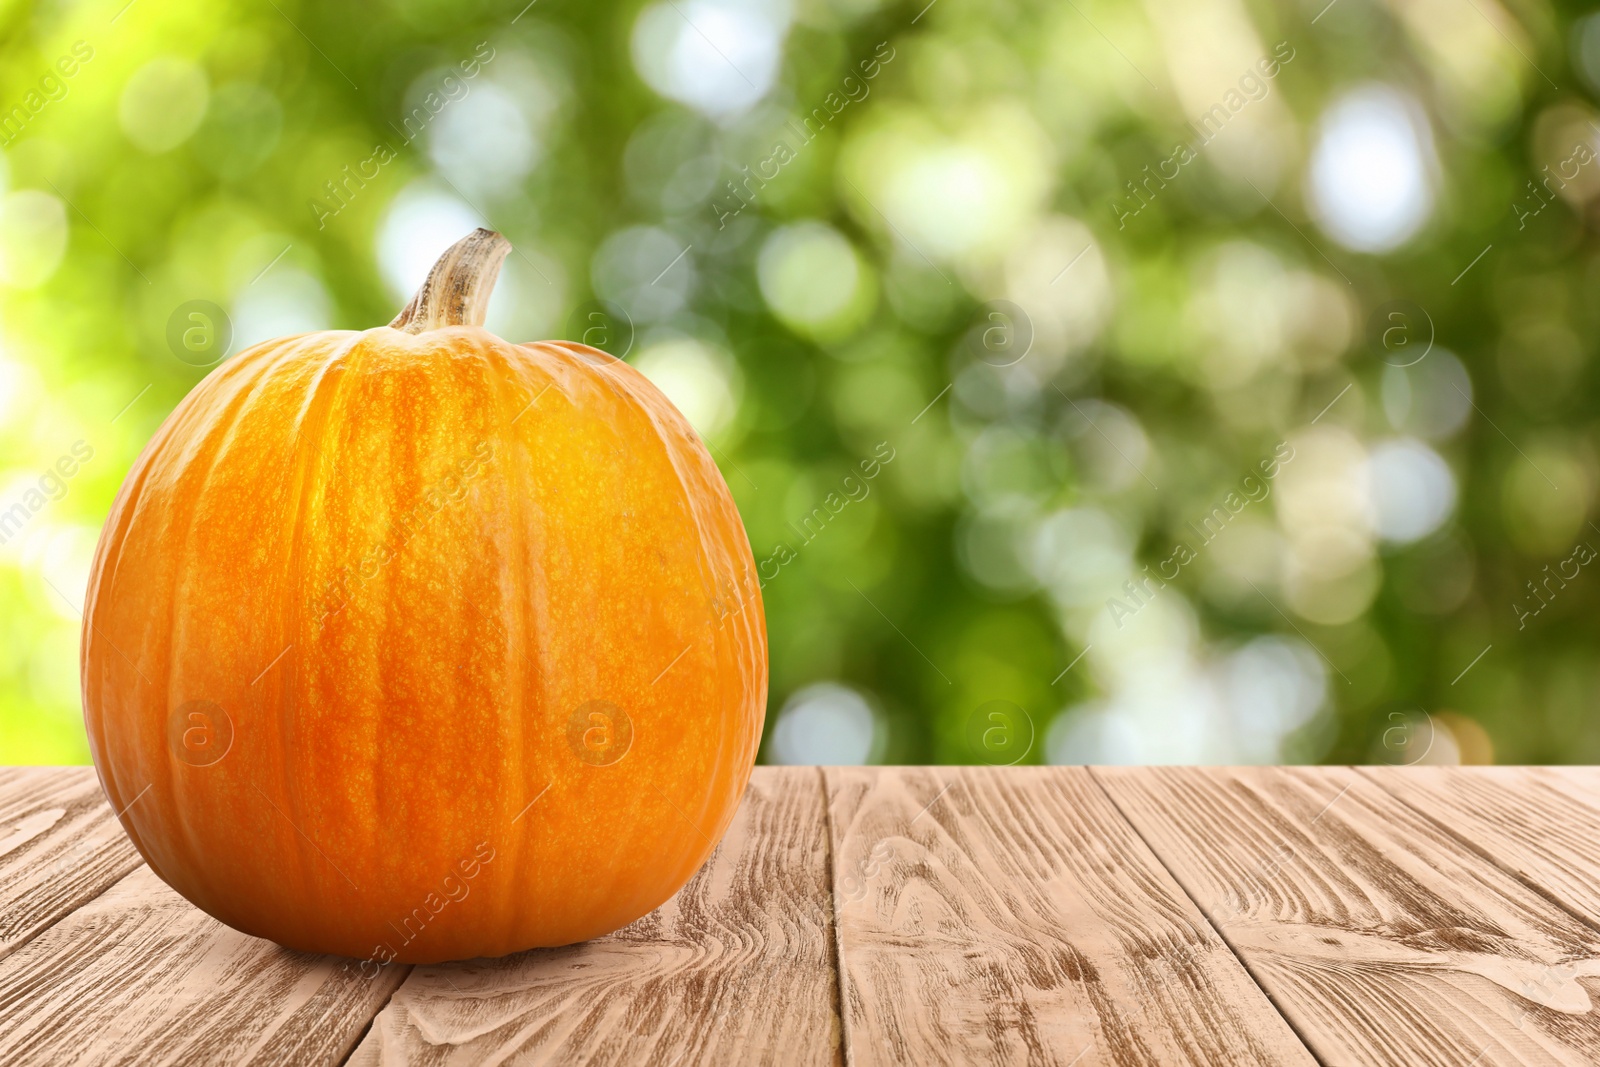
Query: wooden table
{"points": [[1056, 915]]}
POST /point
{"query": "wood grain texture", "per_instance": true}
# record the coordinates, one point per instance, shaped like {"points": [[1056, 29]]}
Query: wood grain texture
{"points": [[60, 846], [737, 968], [1381, 937], [141, 976], [1541, 824], [1010, 915]]}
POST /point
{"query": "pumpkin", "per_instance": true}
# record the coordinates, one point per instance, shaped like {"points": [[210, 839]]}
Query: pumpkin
{"points": [[412, 644]]}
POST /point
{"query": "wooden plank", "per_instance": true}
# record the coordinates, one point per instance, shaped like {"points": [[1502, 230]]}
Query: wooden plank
{"points": [[1382, 938], [736, 969], [1541, 824], [60, 846], [1010, 915], [141, 976]]}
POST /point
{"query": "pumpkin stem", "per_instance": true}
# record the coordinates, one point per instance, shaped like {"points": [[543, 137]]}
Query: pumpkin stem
{"points": [[458, 287]]}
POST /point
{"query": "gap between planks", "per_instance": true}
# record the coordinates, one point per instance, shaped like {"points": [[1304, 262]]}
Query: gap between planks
{"points": [[350, 1052], [837, 941]]}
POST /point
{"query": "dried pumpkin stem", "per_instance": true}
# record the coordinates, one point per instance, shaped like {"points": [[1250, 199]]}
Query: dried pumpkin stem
{"points": [[458, 287]]}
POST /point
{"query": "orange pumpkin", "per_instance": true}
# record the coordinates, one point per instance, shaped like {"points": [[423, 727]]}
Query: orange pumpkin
{"points": [[411, 644]]}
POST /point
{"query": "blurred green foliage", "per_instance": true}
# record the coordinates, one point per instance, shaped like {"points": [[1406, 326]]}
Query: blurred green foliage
{"points": [[1015, 246]]}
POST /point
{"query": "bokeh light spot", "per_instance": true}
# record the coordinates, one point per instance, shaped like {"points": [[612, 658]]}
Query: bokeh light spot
{"points": [[1370, 183]]}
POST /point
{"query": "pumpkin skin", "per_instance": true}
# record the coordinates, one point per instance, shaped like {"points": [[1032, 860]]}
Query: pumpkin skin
{"points": [[419, 647]]}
